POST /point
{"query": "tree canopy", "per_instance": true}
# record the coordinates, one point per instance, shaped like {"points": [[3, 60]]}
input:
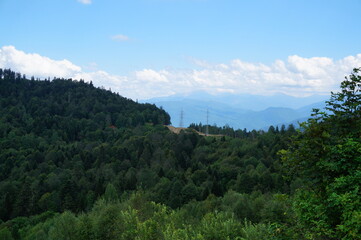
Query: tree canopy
{"points": [[327, 156]]}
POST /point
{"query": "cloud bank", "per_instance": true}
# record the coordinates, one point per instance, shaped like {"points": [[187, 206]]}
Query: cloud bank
{"points": [[296, 76]]}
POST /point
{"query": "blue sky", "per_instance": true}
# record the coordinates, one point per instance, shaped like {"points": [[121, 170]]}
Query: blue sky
{"points": [[211, 45]]}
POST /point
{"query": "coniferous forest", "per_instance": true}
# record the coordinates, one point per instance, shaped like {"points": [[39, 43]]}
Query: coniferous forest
{"points": [[80, 162]]}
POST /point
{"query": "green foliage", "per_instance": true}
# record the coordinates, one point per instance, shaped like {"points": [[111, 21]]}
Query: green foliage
{"points": [[85, 227], [111, 194], [260, 231], [346, 103], [108, 223], [326, 155], [219, 225], [113, 221], [5, 234], [136, 218], [64, 227]]}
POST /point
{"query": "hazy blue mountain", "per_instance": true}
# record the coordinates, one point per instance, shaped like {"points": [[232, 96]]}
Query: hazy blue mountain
{"points": [[238, 111], [305, 112], [246, 101]]}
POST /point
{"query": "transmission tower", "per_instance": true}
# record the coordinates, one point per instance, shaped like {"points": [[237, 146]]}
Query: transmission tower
{"points": [[207, 122], [181, 118]]}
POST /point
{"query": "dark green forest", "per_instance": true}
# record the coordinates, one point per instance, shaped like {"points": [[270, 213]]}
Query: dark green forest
{"points": [[80, 162]]}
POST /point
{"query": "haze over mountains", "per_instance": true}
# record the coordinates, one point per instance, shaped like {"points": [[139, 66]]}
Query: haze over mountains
{"points": [[238, 111]]}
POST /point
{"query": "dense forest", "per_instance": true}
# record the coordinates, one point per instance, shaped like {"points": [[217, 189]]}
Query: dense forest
{"points": [[79, 162]]}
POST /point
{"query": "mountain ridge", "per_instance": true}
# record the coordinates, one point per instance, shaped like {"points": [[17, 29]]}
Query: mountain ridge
{"points": [[267, 109]]}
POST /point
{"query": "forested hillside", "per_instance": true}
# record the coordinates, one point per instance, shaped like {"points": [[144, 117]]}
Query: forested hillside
{"points": [[78, 162]]}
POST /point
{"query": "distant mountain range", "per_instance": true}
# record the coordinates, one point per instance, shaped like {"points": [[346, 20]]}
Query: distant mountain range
{"points": [[239, 111]]}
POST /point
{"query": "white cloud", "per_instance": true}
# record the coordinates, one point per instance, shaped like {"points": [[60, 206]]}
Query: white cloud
{"points": [[152, 76], [36, 65], [85, 1], [295, 76], [120, 38], [101, 78]]}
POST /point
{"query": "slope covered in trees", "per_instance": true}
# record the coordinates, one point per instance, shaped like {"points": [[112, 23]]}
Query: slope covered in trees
{"points": [[71, 170], [48, 127]]}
